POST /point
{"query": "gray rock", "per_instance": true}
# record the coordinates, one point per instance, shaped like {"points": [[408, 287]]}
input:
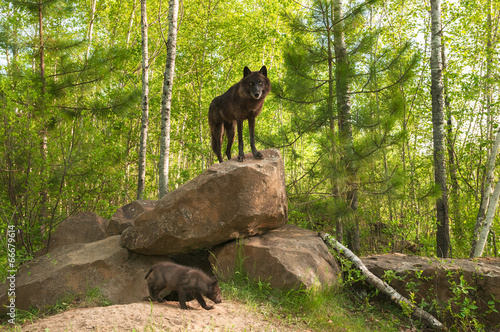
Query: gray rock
{"points": [[228, 201], [287, 258], [85, 227]]}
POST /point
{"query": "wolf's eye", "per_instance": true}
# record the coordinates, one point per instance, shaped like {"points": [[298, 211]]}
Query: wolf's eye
{"points": [[260, 83], [251, 83]]}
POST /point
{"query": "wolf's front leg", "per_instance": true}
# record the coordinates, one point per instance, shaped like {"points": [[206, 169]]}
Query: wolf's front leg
{"points": [[251, 129], [241, 153], [201, 301]]}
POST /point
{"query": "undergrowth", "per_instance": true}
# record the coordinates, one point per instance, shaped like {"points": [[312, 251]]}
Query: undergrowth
{"points": [[332, 309], [339, 308]]}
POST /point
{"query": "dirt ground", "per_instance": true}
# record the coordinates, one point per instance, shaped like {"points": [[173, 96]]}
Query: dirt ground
{"points": [[226, 316]]}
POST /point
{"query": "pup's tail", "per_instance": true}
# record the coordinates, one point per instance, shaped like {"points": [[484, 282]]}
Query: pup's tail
{"points": [[149, 272]]}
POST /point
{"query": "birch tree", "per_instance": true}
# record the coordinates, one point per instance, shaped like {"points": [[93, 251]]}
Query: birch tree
{"points": [[145, 102], [438, 133], [487, 186], [489, 203], [166, 99], [91, 28]]}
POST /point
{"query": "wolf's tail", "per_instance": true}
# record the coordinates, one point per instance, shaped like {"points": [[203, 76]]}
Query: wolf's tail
{"points": [[149, 272]]}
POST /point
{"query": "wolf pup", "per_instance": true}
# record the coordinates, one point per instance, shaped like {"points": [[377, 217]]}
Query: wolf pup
{"points": [[243, 101], [186, 281]]}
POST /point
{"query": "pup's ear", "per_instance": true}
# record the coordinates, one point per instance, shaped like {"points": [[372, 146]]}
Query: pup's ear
{"points": [[263, 71], [246, 71]]}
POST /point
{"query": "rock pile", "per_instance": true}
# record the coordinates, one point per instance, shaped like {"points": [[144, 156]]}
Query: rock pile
{"points": [[228, 201]]}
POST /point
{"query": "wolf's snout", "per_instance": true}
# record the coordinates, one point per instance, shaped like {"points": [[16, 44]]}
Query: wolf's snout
{"points": [[257, 95]]}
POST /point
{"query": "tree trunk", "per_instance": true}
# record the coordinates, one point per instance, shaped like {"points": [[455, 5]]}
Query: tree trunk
{"points": [[145, 102], [91, 28], [43, 130], [488, 203], [443, 232], [166, 100], [380, 284], [455, 192], [345, 124], [490, 166], [131, 23], [488, 220]]}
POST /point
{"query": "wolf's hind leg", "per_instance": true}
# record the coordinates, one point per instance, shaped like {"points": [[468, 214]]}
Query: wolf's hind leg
{"points": [[217, 134], [182, 299], [229, 129]]}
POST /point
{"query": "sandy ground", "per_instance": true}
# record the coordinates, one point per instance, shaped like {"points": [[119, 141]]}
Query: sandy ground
{"points": [[226, 316]]}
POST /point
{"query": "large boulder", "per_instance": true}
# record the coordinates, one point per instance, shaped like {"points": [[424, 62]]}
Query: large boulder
{"points": [[287, 258], [432, 279], [227, 201], [83, 227], [78, 268], [124, 217]]}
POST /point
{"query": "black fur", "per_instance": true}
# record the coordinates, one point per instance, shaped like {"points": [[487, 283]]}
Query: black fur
{"points": [[186, 281], [243, 101]]}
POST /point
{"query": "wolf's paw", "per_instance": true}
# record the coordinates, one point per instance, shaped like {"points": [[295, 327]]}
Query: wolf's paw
{"points": [[258, 155], [241, 158]]}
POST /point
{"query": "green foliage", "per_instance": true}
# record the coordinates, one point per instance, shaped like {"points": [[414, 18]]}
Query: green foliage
{"points": [[459, 313], [69, 141]]}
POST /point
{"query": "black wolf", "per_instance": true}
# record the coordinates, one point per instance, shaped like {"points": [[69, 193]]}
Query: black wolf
{"points": [[186, 281], [243, 101]]}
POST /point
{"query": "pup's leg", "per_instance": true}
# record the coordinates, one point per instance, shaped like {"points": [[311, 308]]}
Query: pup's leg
{"points": [[201, 301], [182, 299], [155, 294]]}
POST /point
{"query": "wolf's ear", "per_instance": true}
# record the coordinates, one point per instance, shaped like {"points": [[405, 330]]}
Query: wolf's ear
{"points": [[246, 71], [263, 71]]}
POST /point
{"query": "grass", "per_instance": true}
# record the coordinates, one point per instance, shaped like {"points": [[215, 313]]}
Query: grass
{"points": [[334, 309]]}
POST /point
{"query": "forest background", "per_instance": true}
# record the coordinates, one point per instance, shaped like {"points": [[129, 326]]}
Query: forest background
{"points": [[70, 100]]}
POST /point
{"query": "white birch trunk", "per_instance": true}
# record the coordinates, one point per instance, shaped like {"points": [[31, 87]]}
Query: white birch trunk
{"points": [[166, 100], [145, 102], [488, 220], [130, 24], [490, 166], [91, 28], [489, 203], [380, 284]]}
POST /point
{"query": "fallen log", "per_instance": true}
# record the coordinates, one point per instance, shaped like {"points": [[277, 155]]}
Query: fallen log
{"points": [[380, 284]]}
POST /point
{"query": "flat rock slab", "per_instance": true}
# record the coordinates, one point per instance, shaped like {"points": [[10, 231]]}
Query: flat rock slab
{"points": [[287, 258], [227, 201]]}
